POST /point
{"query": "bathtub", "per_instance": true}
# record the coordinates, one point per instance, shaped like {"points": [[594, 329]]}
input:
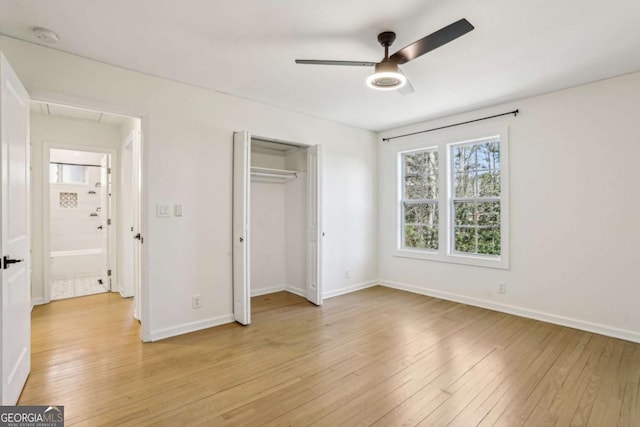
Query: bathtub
{"points": [[76, 263]]}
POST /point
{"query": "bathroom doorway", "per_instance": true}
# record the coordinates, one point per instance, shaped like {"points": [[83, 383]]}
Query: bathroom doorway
{"points": [[86, 193]]}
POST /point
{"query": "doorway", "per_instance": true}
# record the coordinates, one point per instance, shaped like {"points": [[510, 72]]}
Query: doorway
{"points": [[81, 240], [86, 193], [277, 212]]}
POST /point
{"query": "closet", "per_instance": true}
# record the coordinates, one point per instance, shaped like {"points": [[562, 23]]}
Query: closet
{"points": [[276, 217]]}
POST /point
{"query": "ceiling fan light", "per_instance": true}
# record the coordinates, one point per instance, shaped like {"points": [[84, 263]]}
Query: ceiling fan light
{"points": [[386, 77]]}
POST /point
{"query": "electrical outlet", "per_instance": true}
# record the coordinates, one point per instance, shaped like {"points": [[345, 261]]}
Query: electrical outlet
{"points": [[195, 301], [347, 273], [502, 287]]}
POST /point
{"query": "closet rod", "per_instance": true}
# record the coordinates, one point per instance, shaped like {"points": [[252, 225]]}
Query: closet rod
{"points": [[293, 175], [75, 164]]}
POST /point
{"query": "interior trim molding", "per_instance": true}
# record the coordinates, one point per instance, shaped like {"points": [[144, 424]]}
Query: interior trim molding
{"points": [[264, 291], [37, 301], [186, 328], [296, 291], [351, 288], [583, 325]]}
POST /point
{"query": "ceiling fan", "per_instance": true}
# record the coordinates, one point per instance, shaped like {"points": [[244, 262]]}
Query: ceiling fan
{"points": [[387, 75]]}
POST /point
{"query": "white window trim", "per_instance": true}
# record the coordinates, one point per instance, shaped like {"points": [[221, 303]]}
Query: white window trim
{"points": [[443, 141]]}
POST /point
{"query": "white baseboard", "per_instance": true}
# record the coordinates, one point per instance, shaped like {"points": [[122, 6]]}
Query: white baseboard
{"points": [[37, 301], [519, 311], [349, 289], [185, 328], [264, 291], [296, 291]]}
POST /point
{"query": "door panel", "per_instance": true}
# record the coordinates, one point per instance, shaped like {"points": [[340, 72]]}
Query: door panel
{"points": [[15, 236], [136, 191], [314, 225], [105, 214], [241, 232]]}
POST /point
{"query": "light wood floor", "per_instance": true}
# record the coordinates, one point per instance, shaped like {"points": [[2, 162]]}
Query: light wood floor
{"points": [[374, 357]]}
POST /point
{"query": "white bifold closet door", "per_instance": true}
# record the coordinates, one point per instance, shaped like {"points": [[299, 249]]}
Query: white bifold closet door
{"points": [[314, 225], [242, 234]]}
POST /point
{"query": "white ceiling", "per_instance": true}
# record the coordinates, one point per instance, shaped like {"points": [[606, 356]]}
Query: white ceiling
{"points": [[247, 48]]}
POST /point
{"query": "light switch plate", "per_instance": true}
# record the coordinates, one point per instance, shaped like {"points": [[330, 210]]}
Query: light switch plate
{"points": [[177, 210], [163, 210]]}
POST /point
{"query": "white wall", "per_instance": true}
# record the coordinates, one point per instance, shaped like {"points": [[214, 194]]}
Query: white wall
{"points": [[574, 212], [60, 131], [267, 231], [187, 159], [296, 234]]}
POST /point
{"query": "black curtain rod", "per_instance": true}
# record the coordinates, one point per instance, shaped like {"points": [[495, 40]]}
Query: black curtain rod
{"points": [[514, 112], [75, 164]]}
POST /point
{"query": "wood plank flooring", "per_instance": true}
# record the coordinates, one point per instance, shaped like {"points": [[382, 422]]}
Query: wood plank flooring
{"points": [[375, 357]]}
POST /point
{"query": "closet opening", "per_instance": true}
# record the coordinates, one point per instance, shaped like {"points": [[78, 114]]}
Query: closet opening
{"points": [[277, 216]]}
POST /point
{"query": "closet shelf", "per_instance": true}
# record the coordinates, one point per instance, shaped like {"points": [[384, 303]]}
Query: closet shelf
{"points": [[273, 173]]}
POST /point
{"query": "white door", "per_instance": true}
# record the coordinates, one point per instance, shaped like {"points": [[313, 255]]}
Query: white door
{"points": [[126, 219], [241, 181], [314, 224], [15, 279], [136, 232], [105, 215]]}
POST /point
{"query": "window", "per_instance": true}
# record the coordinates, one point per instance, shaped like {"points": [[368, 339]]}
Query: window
{"points": [[475, 198], [68, 200], [420, 199], [63, 173], [454, 210]]}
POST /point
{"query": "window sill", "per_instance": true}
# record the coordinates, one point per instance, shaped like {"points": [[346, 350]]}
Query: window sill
{"points": [[501, 263]]}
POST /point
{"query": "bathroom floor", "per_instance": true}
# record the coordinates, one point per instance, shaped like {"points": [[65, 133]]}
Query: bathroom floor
{"points": [[76, 287]]}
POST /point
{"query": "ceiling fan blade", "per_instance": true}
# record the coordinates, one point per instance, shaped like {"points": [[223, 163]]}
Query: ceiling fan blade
{"points": [[432, 41], [407, 89], [348, 63]]}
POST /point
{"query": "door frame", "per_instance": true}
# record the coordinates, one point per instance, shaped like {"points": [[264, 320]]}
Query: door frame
{"points": [[47, 146], [72, 101]]}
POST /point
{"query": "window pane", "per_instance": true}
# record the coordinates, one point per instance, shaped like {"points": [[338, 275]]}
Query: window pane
{"points": [[465, 184], [483, 156], [421, 237], [53, 173], [411, 213], [489, 241], [431, 238], [465, 239], [73, 174], [488, 184], [412, 236], [421, 175], [488, 213], [429, 214], [465, 213], [464, 158], [419, 200]]}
